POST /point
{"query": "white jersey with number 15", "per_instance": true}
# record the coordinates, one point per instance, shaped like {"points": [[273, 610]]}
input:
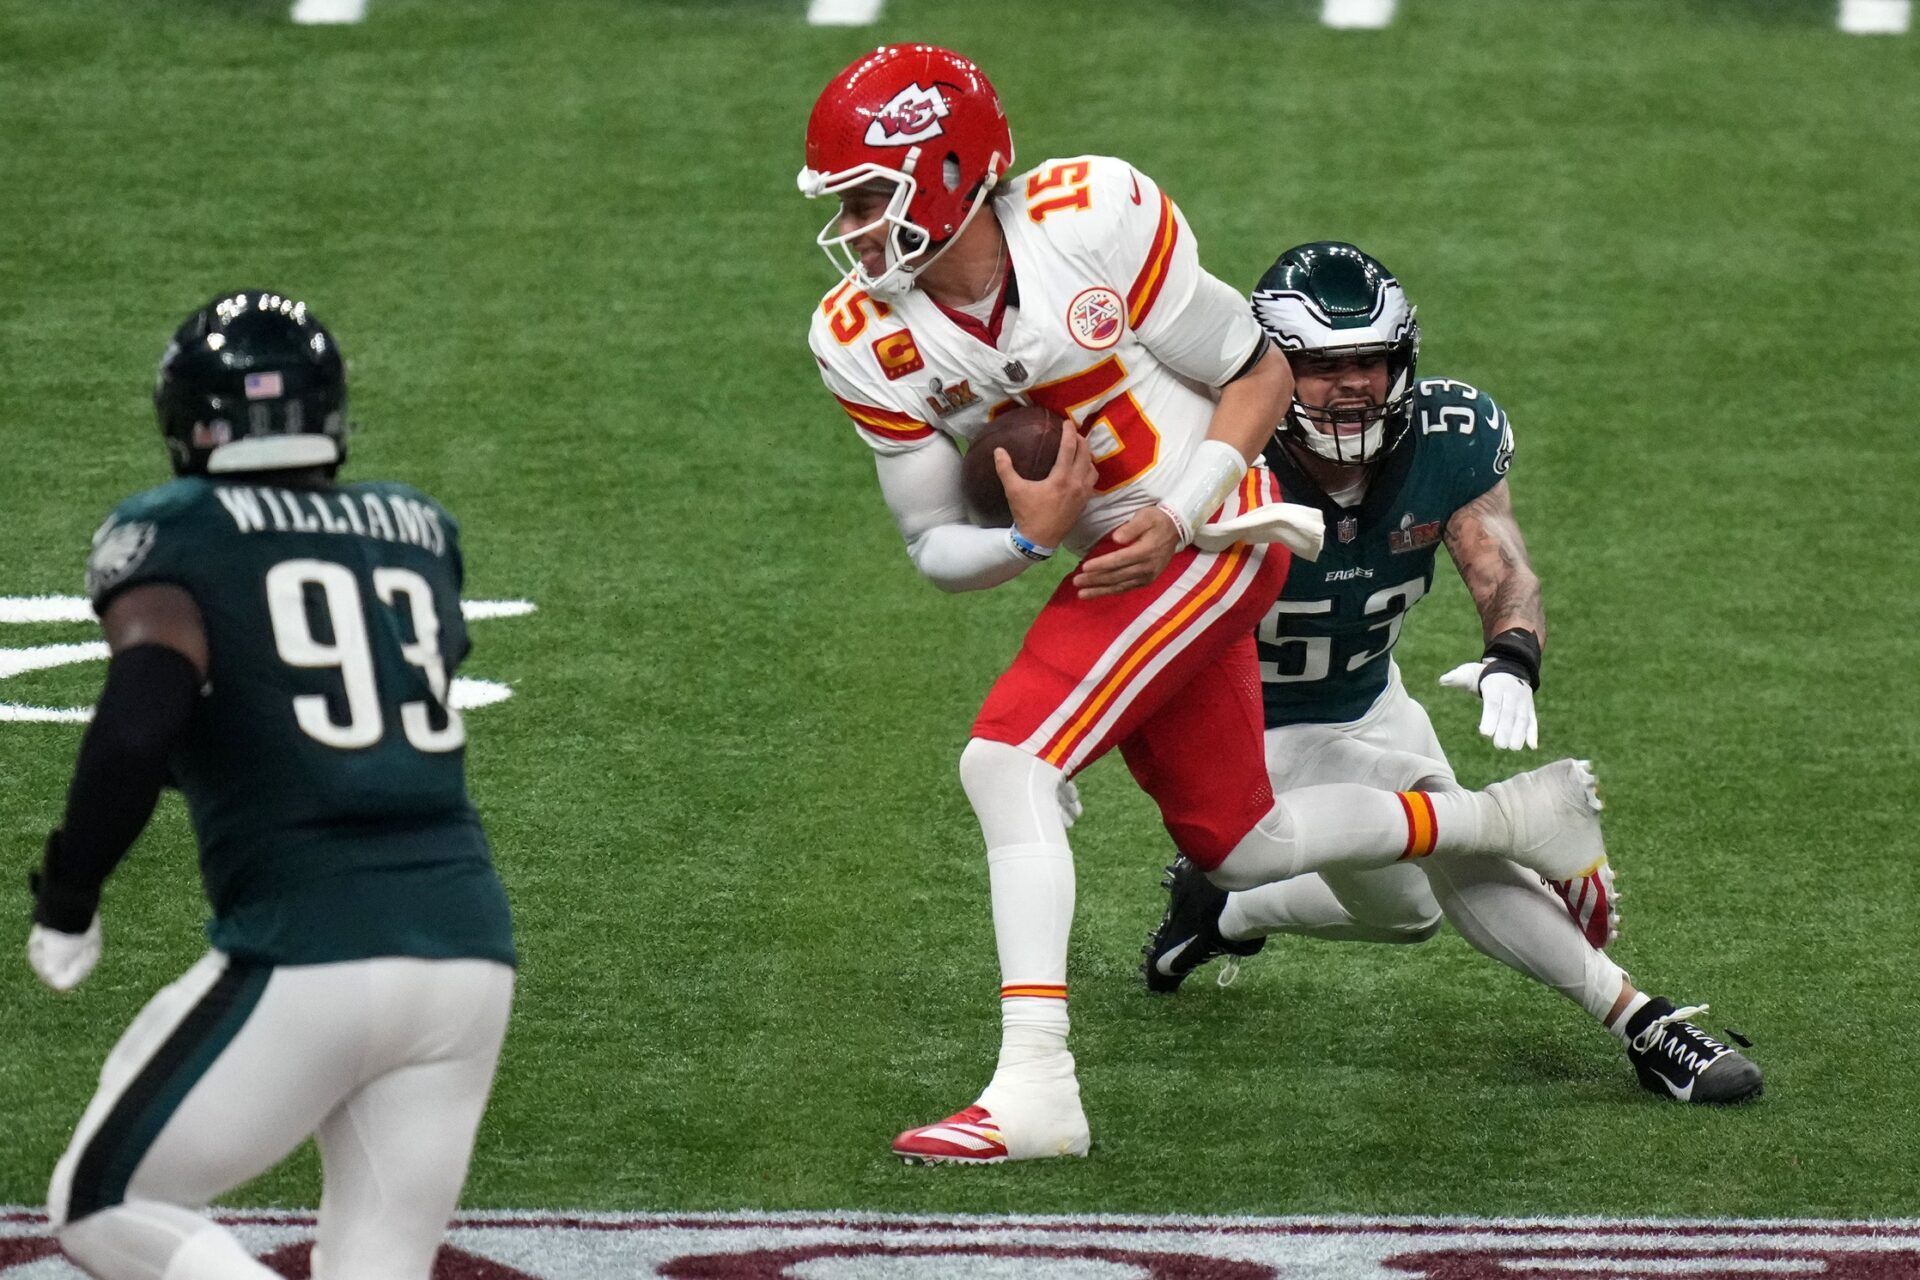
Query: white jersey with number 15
{"points": [[1113, 324]]}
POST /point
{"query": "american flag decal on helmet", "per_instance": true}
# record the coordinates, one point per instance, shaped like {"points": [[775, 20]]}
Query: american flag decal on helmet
{"points": [[264, 386]]}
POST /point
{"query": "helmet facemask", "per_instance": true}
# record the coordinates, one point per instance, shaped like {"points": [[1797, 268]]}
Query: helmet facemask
{"points": [[909, 247], [1382, 425]]}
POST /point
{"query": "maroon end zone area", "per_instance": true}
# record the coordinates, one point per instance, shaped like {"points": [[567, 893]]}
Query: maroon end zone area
{"points": [[776, 1246], [1741, 1263]]}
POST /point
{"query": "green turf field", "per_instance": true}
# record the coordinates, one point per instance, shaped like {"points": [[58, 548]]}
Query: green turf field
{"points": [[561, 246]]}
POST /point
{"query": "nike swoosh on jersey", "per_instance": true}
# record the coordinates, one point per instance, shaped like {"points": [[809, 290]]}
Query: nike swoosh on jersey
{"points": [[1136, 186]]}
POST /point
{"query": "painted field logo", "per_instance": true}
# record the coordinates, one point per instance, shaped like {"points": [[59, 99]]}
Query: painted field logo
{"points": [[861, 1246], [466, 693]]}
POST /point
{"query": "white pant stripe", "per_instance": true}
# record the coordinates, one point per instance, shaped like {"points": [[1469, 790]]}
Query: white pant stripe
{"points": [[1195, 627]]}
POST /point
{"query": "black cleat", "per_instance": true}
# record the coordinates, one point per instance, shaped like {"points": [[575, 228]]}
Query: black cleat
{"points": [[1189, 933], [1678, 1060]]}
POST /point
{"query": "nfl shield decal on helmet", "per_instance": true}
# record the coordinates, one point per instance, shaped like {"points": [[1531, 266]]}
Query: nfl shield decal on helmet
{"points": [[1095, 318], [911, 115]]}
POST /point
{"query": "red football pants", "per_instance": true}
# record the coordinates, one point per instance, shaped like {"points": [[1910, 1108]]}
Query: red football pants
{"points": [[1167, 672]]}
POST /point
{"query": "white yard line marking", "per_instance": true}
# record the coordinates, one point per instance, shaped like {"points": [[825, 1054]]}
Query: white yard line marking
{"points": [[1876, 17], [45, 609], [76, 609], [45, 657], [843, 13], [1356, 15], [481, 610], [467, 693], [319, 13]]}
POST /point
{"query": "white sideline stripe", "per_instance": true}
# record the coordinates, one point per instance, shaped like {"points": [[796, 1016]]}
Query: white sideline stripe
{"points": [[313, 13], [1876, 17], [843, 13], [1357, 15], [76, 609]]}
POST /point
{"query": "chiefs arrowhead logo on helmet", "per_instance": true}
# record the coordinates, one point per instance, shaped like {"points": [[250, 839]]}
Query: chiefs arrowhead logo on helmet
{"points": [[912, 115], [921, 124]]}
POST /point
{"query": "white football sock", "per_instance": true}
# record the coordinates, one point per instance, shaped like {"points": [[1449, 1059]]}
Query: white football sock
{"points": [[1619, 1025], [1314, 828], [1504, 911], [1016, 797], [147, 1240]]}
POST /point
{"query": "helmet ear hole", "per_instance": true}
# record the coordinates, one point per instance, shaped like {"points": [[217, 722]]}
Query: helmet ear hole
{"points": [[950, 174]]}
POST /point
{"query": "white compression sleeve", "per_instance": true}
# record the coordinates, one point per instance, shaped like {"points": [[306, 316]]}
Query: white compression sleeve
{"points": [[922, 489]]}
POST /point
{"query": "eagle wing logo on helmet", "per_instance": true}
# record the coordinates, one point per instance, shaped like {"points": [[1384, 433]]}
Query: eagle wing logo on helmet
{"points": [[911, 115]]}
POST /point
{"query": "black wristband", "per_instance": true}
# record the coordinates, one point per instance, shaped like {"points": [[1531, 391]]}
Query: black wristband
{"points": [[66, 908], [1515, 651]]}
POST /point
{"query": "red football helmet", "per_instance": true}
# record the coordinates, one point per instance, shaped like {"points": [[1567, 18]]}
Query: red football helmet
{"points": [[923, 120]]}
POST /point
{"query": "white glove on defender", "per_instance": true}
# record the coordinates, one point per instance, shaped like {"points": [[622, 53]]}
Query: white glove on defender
{"points": [[63, 960], [1507, 714]]}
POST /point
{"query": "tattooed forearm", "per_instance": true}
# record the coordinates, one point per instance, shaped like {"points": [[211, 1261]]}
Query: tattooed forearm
{"points": [[1484, 539]]}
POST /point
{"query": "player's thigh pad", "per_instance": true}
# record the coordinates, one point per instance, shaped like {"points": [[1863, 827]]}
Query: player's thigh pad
{"points": [[395, 1153], [164, 1055], [1199, 756], [1399, 722], [1090, 672]]}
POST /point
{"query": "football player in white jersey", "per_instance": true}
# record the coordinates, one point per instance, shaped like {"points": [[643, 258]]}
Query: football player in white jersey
{"points": [[1077, 286], [1398, 466]]}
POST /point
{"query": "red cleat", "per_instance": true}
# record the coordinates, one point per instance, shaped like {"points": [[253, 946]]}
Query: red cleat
{"points": [[966, 1137], [1590, 900]]}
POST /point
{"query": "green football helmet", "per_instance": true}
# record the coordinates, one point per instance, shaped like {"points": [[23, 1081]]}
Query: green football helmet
{"points": [[252, 382], [1330, 299]]}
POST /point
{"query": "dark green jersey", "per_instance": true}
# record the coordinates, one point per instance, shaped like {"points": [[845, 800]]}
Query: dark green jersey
{"points": [[323, 768], [1324, 646]]}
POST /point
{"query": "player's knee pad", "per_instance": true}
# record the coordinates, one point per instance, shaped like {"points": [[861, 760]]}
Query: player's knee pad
{"points": [[1014, 793], [988, 767], [1401, 933]]}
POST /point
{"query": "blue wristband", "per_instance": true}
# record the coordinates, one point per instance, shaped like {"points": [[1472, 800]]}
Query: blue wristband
{"points": [[1027, 547]]}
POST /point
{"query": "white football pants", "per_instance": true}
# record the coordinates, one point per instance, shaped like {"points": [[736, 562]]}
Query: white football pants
{"points": [[386, 1063], [1499, 907]]}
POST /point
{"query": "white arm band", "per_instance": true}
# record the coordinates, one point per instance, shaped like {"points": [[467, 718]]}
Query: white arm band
{"points": [[922, 489], [1211, 473]]}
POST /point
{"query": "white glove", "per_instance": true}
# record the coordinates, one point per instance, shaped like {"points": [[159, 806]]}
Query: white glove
{"points": [[1506, 713], [1299, 527], [1070, 807], [63, 960]]}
